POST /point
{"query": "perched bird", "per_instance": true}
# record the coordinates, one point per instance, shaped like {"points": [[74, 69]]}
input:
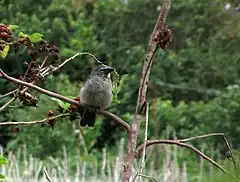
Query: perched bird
{"points": [[96, 93]]}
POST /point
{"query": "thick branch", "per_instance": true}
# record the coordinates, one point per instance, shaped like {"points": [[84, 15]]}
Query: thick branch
{"points": [[58, 96], [147, 64], [175, 142]]}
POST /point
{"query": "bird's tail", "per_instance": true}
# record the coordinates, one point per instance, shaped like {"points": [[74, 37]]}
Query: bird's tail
{"points": [[88, 117]]}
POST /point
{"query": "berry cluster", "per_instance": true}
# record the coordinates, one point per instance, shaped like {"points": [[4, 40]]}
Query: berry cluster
{"points": [[5, 33], [163, 38]]}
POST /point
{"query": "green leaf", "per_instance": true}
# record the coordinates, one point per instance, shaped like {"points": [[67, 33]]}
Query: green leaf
{"points": [[115, 99], [5, 51], [3, 160], [2, 176], [13, 27], [21, 34], [62, 104], [35, 37]]}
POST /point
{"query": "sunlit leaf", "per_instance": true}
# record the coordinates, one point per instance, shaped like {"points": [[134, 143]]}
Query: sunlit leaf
{"points": [[62, 104], [3, 160], [13, 27], [35, 37], [5, 51], [2, 177], [21, 34]]}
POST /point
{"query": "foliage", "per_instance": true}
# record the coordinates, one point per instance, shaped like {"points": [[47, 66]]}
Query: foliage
{"points": [[3, 160]]}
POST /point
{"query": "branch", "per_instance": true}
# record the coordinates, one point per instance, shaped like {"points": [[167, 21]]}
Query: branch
{"points": [[9, 93], [33, 122], [175, 142], [215, 134], [58, 96], [116, 119], [199, 137], [48, 71], [7, 104], [147, 64]]}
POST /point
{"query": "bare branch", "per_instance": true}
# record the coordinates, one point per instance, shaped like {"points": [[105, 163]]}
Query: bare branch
{"points": [[48, 71], [116, 119], [7, 104], [33, 122], [215, 134], [199, 137], [175, 142], [44, 61], [145, 137], [39, 89], [147, 64], [58, 96], [9, 93]]}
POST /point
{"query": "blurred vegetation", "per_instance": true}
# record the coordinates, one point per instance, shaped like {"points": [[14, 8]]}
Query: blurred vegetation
{"points": [[193, 89]]}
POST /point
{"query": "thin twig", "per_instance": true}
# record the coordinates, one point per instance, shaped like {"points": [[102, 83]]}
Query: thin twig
{"points": [[231, 154], [224, 139], [175, 142], [9, 93], [69, 59], [199, 137], [8, 103], [148, 177], [145, 138], [44, 61], [47, 175], [33, 122]]}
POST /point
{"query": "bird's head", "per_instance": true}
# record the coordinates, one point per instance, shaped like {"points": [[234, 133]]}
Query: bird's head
{"points": [[102, 70]]}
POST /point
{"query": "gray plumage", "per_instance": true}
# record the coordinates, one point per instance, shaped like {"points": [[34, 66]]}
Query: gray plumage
{"points": [[97, 93]]}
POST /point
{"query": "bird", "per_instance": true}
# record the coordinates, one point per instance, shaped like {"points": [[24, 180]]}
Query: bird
{"points": [[96, 93]]}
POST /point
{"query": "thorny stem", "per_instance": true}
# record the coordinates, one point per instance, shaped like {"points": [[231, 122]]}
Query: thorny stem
{"points": [[147, 63]]}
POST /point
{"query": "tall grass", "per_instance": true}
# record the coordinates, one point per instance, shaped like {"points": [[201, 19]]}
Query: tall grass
{"points": [[23, 168]]}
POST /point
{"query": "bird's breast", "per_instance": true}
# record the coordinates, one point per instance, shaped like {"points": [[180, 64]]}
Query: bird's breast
{"points": [[97, 92]]}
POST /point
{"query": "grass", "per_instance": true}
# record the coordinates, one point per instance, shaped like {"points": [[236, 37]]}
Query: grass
{"points": [[163, 163]]}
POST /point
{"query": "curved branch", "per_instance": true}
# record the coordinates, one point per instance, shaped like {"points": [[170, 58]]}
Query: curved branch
{"points": [[33, 122], [175, 142], [49, 70], [116, 119], [58, 96]]}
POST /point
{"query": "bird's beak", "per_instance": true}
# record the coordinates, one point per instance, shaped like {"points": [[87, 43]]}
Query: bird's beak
{"points": [[107, 69]]}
